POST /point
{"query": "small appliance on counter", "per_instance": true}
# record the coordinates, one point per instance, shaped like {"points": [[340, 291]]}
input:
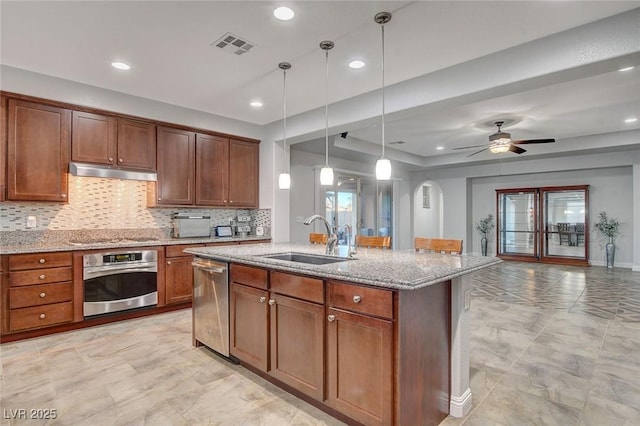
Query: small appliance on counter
{"points": [[185, 226], [224, 231]]}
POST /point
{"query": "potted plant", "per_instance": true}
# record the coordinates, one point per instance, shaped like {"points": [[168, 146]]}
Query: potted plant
{"points": [[484, 226], [609, 227]]}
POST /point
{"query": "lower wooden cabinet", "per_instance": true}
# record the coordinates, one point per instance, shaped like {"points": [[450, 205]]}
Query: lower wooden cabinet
{"points": [[360, 366], [178, 274], [249, 323]]}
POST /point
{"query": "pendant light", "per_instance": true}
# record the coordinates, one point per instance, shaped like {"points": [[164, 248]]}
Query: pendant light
{"points": [[383, 165], [284, 180], [326, 174]]}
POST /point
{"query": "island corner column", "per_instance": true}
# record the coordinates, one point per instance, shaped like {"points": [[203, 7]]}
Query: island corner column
{"points": [[460, 402]]}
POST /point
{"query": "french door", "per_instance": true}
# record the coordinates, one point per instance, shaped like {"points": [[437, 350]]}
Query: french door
{"points": [[548, 224]]}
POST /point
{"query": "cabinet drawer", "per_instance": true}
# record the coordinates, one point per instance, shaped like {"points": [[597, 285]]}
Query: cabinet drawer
{"points": [[40, 316], [248, 275], [177, 250], [41, 276], [366, 300], [36, 295], [306, 288], [39, 260]]}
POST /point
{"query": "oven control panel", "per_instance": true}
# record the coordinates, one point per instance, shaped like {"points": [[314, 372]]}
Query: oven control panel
{"points": [[121, 257]]}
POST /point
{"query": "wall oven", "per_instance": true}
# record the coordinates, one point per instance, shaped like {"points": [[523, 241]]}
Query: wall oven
{"points": [[119, 280]]}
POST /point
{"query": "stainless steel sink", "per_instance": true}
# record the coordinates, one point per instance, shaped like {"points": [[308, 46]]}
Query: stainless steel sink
{"points": [[312, 259]]}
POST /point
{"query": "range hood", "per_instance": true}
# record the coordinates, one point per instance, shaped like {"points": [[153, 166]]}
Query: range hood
{"points": [[103, 171]]}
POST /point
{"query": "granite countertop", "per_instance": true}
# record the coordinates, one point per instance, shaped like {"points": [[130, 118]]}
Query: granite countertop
{"points": [[402, 269], [32, 242]]}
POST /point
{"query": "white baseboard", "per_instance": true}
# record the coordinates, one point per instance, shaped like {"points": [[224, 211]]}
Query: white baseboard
{"points": [[459, 406]]}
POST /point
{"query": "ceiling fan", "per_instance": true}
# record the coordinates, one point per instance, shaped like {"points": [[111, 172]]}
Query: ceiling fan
{"points": [[501, 142]]}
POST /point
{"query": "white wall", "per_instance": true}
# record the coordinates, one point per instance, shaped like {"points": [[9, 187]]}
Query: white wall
{"points": [[469, 193], [427, 221]]}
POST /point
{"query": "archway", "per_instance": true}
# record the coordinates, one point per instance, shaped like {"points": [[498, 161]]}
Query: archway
{"points": [[427, 210]]}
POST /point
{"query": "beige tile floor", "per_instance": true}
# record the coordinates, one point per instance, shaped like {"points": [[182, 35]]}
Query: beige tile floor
{"points": [[550, 345]]}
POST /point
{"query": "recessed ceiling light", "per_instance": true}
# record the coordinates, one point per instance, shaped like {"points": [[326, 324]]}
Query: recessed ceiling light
{"points": [[626, 69], [631, 120], [439, 148], [120, 65], [283, 13], [357, 64], [256, 104]]}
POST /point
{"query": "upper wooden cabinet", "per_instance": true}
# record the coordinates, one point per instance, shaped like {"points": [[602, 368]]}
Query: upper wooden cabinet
{"points": [[176, 171], [39, 144], [205, 170], [111, 140], [3, 148]]}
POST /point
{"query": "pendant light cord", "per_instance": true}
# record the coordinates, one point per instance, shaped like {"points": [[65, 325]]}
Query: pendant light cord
{"points": [[284, 121], [326, 109], [382, 90]]}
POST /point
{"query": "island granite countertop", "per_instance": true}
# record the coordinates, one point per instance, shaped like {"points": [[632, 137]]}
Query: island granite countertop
{"points": [[395, 269]]}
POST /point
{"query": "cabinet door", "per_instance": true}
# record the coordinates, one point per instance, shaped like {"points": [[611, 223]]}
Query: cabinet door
{"points": [[94, 138], [136, 144], [3, 148], [243, 174], [175, 166], [38, 151], [212, 170], [178, 279], [360, 366], [297, 337], [249, 325]]}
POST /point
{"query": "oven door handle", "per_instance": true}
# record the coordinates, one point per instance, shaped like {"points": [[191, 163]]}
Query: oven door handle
{"points": [[102, 271]]}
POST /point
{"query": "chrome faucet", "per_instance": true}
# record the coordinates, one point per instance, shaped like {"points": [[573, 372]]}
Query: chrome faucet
{"points": [[349, 230], [332, 238]]}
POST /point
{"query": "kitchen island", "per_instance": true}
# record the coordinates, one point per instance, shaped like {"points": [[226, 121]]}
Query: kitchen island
{"points": [[381, 338]]}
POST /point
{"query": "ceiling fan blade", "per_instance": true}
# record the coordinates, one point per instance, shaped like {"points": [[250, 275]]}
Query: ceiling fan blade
{"points": [[516, 149], [533, 141], [468, 147], [477, 152]]}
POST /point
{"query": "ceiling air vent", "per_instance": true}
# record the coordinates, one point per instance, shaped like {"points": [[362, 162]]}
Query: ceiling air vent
{"points": [[233, 44], [397, 143]]}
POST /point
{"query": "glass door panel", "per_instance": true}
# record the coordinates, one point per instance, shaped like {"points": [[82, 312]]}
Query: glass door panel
{"points": [[565, 222], [517, 230]]}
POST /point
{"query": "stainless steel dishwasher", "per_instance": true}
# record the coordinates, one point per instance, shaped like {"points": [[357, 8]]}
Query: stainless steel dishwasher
{"points": [[211, 304]]}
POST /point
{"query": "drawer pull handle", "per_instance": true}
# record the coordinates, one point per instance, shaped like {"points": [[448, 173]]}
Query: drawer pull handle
{"points": [[42, 261], [331, 318], [41, 277], [272, 302], [42, 316], [357, 299], [263, 299], [43, 294]]}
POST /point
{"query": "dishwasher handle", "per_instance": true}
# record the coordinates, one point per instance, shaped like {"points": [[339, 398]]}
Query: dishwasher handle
{"points": [[210, 266]]}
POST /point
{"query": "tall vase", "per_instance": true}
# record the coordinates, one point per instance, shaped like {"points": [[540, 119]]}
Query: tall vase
{"points": [[483, 245], [611, 252]]}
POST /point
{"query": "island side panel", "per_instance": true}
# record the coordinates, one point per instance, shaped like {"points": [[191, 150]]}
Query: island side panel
{"points": [[424, 351], [461, 399]]}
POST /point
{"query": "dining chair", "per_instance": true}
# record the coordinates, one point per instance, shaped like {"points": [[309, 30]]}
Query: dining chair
{"points": [[564, 230], [579, 233], [375, 242], [438, 245], [317, 238]]}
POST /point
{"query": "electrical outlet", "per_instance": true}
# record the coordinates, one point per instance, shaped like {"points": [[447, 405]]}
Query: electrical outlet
{"points": [[299, 219], [31, 222]]}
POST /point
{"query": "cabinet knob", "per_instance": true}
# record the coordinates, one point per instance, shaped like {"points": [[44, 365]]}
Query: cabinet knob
{"points": [[168, 262], [43, 294], [263, 299], [111, 159], [63, 195], [41, 260], [272, 302], [41, 277], [331, 318], [42, 316], [230, 201], [357, 299], [120, 160]]}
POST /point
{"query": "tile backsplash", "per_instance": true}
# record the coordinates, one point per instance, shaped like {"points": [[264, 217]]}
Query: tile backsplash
{"points": [[97, 203]]}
